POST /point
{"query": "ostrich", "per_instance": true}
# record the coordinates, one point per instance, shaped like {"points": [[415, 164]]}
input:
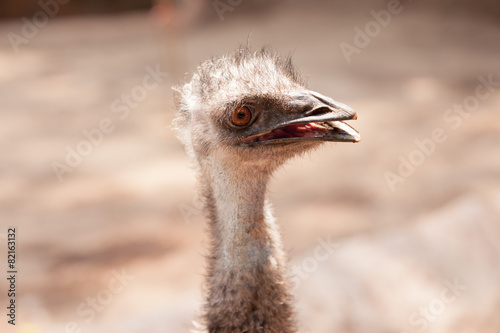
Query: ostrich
{"points": [[240, 118]]}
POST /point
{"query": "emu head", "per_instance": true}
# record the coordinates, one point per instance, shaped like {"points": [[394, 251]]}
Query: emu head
{"points": [[250, 111]]}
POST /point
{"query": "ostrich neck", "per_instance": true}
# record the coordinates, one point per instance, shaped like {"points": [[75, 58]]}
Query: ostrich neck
{"points": [[247, 290]]}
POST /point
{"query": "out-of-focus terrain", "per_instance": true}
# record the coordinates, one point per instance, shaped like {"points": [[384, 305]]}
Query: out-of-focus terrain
{"points": [[117, 244]]}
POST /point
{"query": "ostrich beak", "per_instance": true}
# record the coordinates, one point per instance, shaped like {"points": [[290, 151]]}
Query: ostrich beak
{"points": [[313, 117]]}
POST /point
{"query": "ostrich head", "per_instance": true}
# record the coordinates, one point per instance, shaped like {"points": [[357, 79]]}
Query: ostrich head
{"points": [[251, 109]]}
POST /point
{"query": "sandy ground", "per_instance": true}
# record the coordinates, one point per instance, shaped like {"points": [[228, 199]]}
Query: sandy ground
{"points": [[116, 243]]}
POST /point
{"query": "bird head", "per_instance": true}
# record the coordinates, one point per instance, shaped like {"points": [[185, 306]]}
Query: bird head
{"points": [[253, 109]]}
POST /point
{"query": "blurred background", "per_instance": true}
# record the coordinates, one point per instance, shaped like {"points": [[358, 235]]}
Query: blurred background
{"points": [[110, 232]]}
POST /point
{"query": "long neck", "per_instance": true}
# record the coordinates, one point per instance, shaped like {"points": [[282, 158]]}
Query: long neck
{"points": [[247, 291]]}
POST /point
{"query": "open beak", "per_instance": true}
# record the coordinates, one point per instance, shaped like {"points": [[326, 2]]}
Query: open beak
{"points": [[314, 118]]}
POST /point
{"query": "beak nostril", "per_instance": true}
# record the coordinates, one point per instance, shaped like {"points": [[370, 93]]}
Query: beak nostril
{"points": [[319, 111]]}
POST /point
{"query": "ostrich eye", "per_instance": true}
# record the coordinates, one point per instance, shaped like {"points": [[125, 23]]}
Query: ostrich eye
{"points": [[241, 116]]}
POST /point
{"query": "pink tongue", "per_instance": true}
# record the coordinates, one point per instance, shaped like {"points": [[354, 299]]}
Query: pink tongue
{"points": [[293, 131], [303, 130]]}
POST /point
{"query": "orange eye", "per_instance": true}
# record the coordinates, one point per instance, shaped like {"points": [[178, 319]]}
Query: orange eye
{"points": [[241, 116]]}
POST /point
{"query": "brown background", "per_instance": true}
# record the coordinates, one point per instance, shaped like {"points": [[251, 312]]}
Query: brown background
{"points": [[130, 204]]}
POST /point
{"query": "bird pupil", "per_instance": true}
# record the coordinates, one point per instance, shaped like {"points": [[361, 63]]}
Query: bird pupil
{"points": [[241, 115]]}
